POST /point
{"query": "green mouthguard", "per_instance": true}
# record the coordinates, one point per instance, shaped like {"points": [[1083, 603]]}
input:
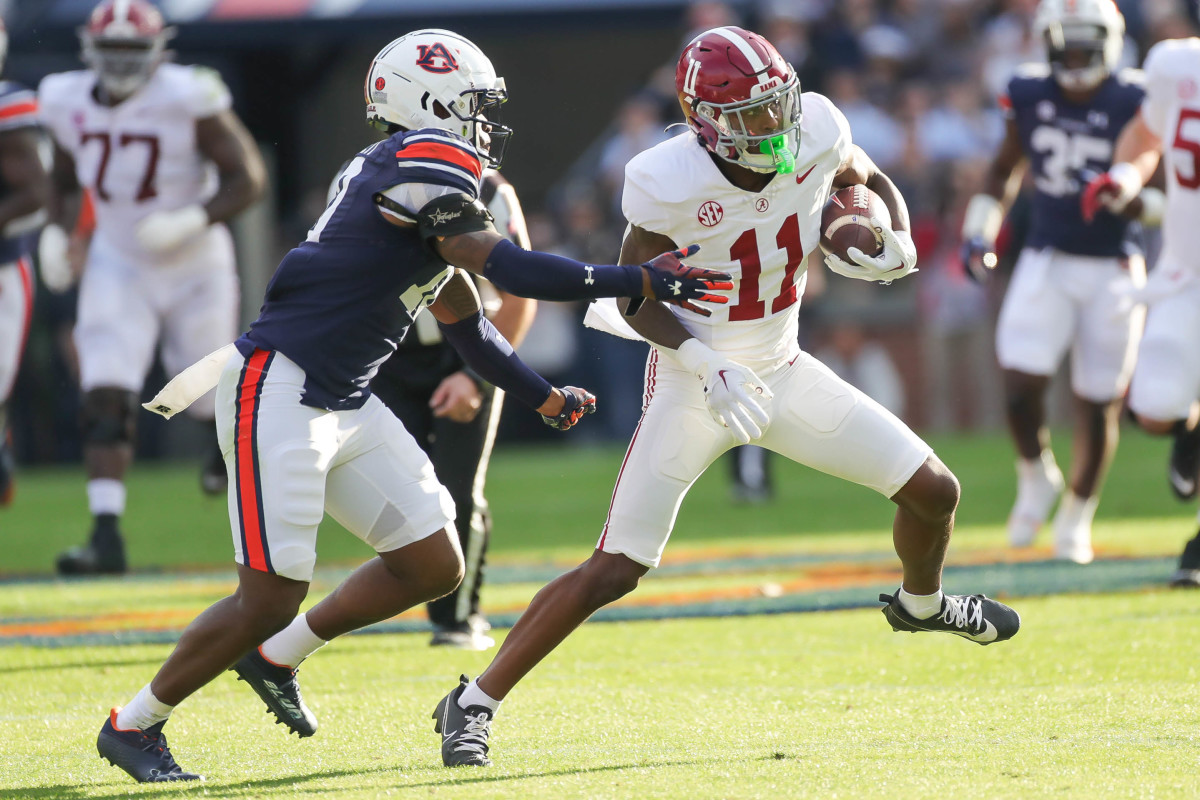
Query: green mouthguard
{"points": [[776, 147]]}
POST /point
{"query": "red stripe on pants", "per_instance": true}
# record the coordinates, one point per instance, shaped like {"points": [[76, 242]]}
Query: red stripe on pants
{"points": [[247, 474]]}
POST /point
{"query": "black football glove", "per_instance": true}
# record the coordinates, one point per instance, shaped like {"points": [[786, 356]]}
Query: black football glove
{"points": [[676, 283], [578, 402], [978, 258]]}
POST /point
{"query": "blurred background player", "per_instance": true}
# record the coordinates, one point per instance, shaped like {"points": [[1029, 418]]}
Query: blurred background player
{"points": [[1166, 383], [747, 181], [24, 188], [453, 414], [166, 162], [1065, 293]]}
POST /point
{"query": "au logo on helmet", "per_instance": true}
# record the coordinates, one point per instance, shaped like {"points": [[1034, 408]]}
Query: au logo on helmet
{"points": [[435, 58]]}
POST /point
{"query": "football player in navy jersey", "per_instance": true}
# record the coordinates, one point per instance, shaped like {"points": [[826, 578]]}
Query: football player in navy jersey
{"points": [[301, 432], [1068, 290], [24, 189]]}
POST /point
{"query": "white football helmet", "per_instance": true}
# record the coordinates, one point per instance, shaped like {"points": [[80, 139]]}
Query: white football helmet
{"points": [[437, 79], [124, 42], [1094, 26]]}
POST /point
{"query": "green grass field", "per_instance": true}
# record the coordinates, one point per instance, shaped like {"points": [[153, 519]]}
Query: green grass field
{"points": [[1096, 697]]}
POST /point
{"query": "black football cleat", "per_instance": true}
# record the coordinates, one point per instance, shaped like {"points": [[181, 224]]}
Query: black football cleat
{"points": [[90, 559], [143, 754], [279, 689], [104, 554], [1185, 463], [973, 617], [1188, 574], [464, 731]]}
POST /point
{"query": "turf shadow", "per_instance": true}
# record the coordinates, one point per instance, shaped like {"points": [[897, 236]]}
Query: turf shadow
{"points": [[217, 789]]}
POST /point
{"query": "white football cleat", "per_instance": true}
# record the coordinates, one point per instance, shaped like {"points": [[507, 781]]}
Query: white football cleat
{"points": [[1073, 528], [1038, 487]]}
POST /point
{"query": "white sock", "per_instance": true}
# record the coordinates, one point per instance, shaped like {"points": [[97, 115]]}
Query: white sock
{"points": [[1042, 469], [143, 711], [1076, 511], [474, 696], [292, 645], [921, 606], [106, 496]]}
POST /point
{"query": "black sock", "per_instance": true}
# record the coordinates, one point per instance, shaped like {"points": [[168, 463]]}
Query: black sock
{"points": [[105, 532]]}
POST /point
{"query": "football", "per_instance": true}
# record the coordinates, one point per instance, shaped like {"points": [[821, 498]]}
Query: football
{"points": [[846, 221]]}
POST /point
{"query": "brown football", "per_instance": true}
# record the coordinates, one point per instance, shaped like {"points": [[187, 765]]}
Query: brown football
{"points": [[846, 221]]}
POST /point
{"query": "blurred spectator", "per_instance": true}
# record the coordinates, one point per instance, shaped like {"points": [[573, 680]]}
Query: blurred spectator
{"points": [[1008, 42], [873, 130], [639, 127]]}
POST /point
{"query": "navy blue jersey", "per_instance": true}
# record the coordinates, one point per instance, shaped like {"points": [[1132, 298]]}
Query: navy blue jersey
{"points": [[341, 301], [18, 109], [1067, 145]]}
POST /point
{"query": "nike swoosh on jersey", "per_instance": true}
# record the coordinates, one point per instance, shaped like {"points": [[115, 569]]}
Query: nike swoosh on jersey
{"points": [[800, 178]]}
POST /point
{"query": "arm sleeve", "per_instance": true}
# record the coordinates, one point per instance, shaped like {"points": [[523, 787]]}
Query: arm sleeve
{"points": [[491, 357], [542, 276]]}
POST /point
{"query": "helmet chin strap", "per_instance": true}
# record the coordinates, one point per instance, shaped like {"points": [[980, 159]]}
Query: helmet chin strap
{"points": [[776, 147]]}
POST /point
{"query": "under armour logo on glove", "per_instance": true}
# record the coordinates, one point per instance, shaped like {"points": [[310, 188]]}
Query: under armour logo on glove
{"points": [[578, 403], [674, 282]]}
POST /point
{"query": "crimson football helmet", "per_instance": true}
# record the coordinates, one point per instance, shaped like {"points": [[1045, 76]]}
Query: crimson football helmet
{"points": [[123, 41], [741, 99]]}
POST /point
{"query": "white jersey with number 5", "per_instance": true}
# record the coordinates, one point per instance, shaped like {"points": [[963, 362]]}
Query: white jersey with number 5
{"points": [[140, 155], [1172, 111], [762, 239]]}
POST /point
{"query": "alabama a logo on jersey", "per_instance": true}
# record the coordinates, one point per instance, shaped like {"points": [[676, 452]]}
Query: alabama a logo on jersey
{"points": [[435, 58]]}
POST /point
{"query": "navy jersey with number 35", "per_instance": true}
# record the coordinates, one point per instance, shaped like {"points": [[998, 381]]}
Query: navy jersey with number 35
{"points": [[1068, 144], [341, 301]]}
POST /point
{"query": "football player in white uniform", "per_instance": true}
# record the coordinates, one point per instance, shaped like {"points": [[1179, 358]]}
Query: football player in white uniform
{"points": [[166, 162], [1066, 290], [24, 188], [1166, 382], [747, 182]]}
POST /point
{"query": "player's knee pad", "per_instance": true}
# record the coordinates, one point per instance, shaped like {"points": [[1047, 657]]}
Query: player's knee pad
{"points": [[109, 416]]}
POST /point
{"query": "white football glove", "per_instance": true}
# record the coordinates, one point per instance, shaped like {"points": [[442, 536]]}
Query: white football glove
{"points": [[899, 257], [162, 231], [54, 261], [733, 394]]}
